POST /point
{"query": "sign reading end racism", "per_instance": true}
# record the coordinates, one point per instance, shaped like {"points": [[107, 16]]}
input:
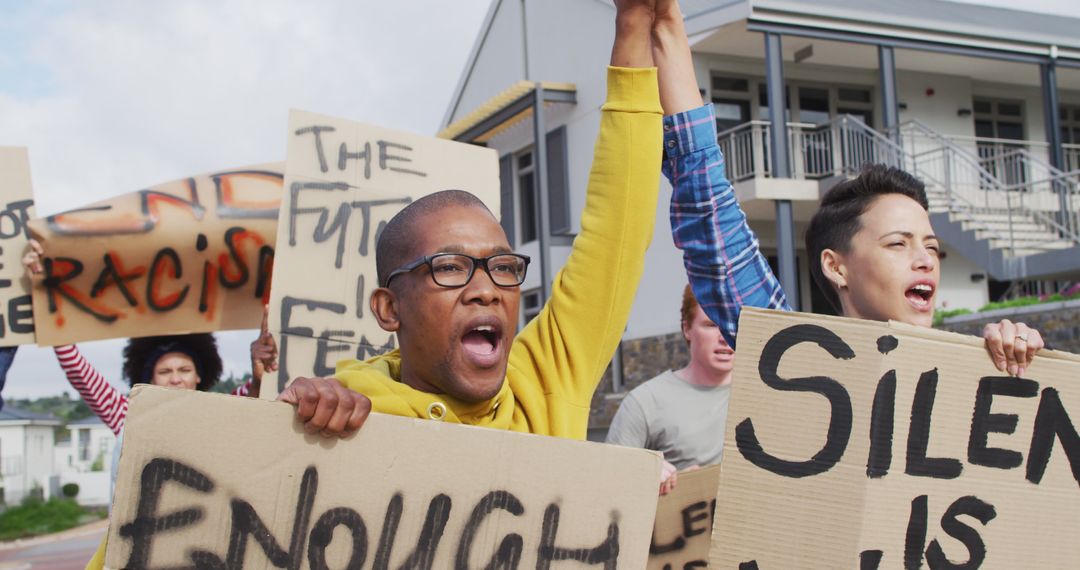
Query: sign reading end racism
{"points": [[16, 209], [400, 493], [857, 444], [343, 182], [194, 255]]}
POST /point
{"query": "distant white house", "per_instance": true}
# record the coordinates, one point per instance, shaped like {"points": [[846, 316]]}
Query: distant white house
{"points": [[86, 460], [26, 454]]}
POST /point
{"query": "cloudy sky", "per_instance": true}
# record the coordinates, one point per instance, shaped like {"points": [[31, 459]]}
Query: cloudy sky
{"points": [[114, 96], [117, 95]]}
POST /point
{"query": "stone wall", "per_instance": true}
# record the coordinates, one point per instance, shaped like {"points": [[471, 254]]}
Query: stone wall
{"points": [[1058, 323], [642, 359]]}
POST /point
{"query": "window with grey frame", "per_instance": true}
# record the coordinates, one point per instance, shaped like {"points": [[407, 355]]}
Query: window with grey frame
{"points": [[1070, 135], [531, 303], [997, 122], [520, 207]]}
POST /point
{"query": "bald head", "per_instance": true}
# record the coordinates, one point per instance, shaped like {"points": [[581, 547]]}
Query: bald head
{"points": [[395, 243]]}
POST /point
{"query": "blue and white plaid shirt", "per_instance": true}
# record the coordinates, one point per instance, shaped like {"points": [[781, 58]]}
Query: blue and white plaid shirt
{"points": [[725, 266]]}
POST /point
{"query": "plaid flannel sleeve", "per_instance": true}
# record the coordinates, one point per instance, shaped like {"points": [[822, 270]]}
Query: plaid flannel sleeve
{"points": [[720, 252]]}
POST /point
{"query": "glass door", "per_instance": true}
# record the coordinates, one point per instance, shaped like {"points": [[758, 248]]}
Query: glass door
{"points": [[996, 123]]}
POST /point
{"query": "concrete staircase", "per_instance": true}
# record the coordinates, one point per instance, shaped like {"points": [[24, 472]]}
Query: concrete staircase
{"points": [[1026, 230], [1018, 233]]}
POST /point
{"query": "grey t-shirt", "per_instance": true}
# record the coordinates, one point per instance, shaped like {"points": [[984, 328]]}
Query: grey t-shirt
{"points": [[683, 421]]}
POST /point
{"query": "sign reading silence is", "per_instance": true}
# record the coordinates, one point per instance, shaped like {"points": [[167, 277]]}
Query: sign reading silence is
{"points": [[857, 444]]}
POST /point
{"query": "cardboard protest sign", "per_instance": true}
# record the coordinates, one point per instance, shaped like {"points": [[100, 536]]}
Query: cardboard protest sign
{"points": [[883, 445], [344, 181], [16, 209], [196, 488], [193, 255], [683, 529]]}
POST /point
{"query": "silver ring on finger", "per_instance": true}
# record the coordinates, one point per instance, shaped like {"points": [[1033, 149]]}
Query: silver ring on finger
{"points": [[1022, 337]]}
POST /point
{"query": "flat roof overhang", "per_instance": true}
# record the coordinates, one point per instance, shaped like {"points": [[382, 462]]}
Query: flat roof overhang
{"points": [[508, 108]]}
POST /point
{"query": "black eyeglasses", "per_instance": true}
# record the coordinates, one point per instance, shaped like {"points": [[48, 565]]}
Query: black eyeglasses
{"points": [[456, 269]]}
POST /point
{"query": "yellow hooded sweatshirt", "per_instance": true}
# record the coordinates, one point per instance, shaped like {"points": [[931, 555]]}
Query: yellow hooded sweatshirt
{"points": [[558, 358]]}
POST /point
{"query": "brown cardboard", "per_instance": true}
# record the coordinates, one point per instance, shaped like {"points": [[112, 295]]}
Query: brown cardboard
{"points": [[343, 181], [192, 255], [835, 515], [16, 209], [202, 451], [683, 528]]}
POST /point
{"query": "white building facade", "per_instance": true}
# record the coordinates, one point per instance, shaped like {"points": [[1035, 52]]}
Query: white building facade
{"points": [[86, 460], [26, 454], [982, 104]]}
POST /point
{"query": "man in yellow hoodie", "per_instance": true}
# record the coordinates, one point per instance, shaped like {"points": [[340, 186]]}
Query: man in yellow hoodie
{"points": [[455, 316], [449, 280]]}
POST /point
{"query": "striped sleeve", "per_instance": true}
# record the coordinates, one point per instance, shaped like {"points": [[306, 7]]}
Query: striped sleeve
{"points": [[104, 399], [723, 262], [243, 389]]}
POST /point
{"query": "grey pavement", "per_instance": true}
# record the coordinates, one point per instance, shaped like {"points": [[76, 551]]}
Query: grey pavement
{"points": [[70, 549]]}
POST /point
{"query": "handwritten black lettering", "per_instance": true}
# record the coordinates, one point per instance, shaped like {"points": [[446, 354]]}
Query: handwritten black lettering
{"points": [[288, 329], [870, 559], [606, 553], [839, 430], [13, 219], [423, 556], [223, 190], [246, 523], [1052, 421], [385, 157], [158, 267], [20, 315], [922, 409], [344, 156], [916, 534], [509, 553], [147, 523], [323, 532], [972, 507], [317, 131], [113, 275], [881, 426], [983, 422]]}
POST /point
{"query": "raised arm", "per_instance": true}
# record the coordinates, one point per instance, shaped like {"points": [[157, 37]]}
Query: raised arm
{"points": [[570, 343], [720, 252], [103, 398]]}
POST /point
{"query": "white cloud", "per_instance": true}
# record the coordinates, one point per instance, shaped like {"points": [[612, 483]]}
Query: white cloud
{"points": [[145, 92], [115, 96]]}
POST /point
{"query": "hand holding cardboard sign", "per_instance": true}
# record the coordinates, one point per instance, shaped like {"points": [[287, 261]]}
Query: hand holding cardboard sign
{"points": [[326, 407], [1012, 346], [669, 477], [32, 260], [264, 352]]}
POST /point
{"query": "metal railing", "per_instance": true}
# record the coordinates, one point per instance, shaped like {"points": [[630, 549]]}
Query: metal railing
{"points": [[1015, 196], [837, 148], [746, 149], [1072, 156], [1004, 190]]}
